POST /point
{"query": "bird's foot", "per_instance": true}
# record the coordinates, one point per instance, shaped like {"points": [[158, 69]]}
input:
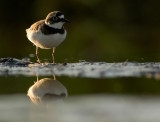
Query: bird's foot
{"points": [[38, 61]]}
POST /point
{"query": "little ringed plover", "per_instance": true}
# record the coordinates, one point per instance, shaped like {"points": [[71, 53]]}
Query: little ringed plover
{"points": [[48, 33]]}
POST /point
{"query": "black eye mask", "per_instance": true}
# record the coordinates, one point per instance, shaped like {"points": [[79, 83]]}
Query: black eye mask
{"points": [[50, 21]]}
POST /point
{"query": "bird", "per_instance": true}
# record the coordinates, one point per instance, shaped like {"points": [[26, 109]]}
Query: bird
{"points": [[48, 33]]}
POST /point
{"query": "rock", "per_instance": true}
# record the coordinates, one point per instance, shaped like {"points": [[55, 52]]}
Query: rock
{"points": [[13, 62]]}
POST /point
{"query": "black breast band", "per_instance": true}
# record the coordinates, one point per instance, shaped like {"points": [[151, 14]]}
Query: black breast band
{"points": [[49, 30]]}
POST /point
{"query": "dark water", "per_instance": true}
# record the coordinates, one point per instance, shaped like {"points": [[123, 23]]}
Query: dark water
{"points": [[83, 86]]}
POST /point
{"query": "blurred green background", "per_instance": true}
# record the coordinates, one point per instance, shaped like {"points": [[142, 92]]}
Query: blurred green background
{"points": [[100, 30]]}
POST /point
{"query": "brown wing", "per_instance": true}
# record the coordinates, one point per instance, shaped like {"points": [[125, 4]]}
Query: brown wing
{"points": [[36, 26]]}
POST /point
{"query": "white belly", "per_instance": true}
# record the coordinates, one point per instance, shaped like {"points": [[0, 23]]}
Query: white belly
{"points": [[46, 41]]}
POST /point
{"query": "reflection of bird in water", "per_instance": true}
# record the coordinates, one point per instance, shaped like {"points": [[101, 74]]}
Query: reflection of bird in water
{"points": [[47, 90]]}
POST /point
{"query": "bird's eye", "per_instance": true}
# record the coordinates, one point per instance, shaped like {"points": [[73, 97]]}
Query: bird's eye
{"points": [[55, 18]]}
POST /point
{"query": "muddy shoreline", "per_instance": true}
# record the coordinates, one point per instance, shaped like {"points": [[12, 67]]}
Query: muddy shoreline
{"points": [[13, 66]]}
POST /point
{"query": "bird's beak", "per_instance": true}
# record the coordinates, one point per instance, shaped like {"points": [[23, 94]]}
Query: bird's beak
{"points": [[65, 20]]}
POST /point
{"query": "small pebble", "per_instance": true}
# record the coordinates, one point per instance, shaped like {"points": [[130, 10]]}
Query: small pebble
{"points": [[64, 64]]}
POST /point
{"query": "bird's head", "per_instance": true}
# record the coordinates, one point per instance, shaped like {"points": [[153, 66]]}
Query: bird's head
{"points": [[55, 19]]}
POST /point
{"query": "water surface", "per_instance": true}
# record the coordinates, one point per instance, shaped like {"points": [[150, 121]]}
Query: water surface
{"points": [[52, 98]]}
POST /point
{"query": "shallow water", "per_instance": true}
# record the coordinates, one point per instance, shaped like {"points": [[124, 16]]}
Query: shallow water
{"points": [[66, 99], [102, 108]]}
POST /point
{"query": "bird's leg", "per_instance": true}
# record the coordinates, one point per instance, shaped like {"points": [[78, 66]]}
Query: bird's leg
{"points": [[37, 77], [37, 55], [54, 77], [53, 55]]}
